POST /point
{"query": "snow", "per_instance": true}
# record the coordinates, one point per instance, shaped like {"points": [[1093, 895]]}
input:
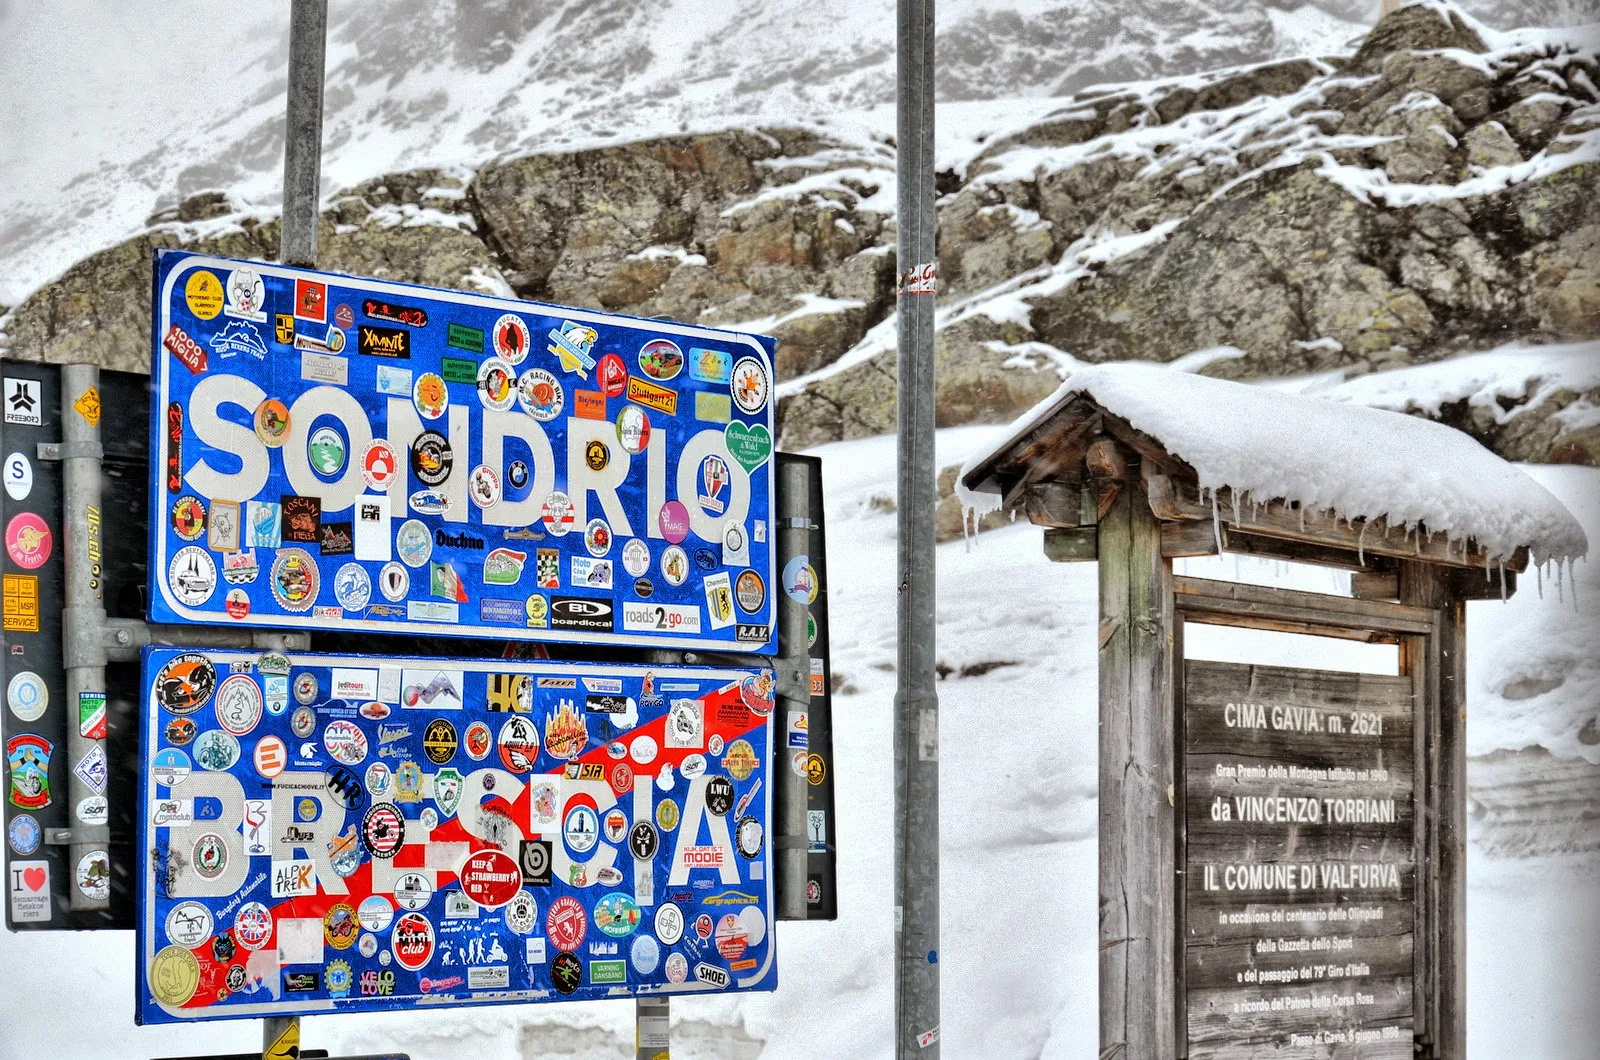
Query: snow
{"points": [[1018, 946], [1361, 463]]}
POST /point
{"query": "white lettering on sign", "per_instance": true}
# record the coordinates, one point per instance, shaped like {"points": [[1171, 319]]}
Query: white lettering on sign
{"points": [[689, 839]]}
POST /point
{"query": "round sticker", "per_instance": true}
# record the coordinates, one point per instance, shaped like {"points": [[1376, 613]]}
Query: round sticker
{"points": [[669, 923], [185, 683], [380, 781], [581, 829], [271, 756], [237, 604], [379, 464], [667, 815], [339, 926], [305, 688], [511, 339], [202, 292], [192, 575], [731, 937], [617, 914], [28, 696], [352, 587], [621, 778], [19, 477], [28, 541], [430, 396], [252, 925], [326, 451], [519, 744], [485, 486], [674, 565], [611, 375], [643, 750], [189, 517], [394, 582], [247, 296], [522, 913], [800, 581], [431, 458], [677, 967], [566, 973], [714, 745], [596, 455], [540, 394], [94, 876], [295, 580], [412, 941], [439, 741], [660, 359], [497, 385], [646, 954], [517, 475], [345, 741], [174, 975], [597, 537], [633, 429], [756, 692], [635, 557], [216, 751], [749, 384], [477, 741], [740, 761], [24, 834], [272, 423], [210, 856], [375, 913], [674, 522], [491, 878], [643, 840], [368, 945], [383, 831], [755, 924], [414, 543], [693, 766], [558, 514], [566, 923], [719, 795], [303, 721], [750, 591], [747, 836]]}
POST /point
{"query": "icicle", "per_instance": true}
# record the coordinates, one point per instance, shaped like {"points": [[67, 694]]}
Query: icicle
{"points": [[1361, 538], [1302, 518], [1488, 575], [1216, 521], [1538, 577], [1574, 565], [1560, 569], [1502, 580], [1233, 495]]}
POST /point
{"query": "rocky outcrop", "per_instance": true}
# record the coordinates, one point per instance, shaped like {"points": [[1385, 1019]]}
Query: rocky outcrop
{"points": [[1418, 198]]}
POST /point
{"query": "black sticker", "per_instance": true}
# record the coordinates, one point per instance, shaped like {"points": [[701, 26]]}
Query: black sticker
{"points": [[394, 313], [299, 982], [346, 788], [573, 612], [431, 458], [566, 973], [384, 342], [337, 539], [535, 862], [302, 519], [643, 840], [719, 795]]}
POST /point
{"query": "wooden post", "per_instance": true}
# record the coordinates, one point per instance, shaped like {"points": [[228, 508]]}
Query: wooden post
{"points": [[1426, 585], [1138, 934]]}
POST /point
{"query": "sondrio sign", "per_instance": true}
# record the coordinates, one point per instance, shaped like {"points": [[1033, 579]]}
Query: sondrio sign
{"points": [[345, 453]]}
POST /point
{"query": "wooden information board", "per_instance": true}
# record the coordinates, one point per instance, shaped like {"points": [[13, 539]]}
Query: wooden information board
{"points": [[1299, 863]]}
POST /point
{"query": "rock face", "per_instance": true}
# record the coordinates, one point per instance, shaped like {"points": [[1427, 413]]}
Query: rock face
{"points": [[1418, 198]]}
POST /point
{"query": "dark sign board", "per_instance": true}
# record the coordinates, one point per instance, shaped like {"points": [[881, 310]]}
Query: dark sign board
{"points": [[350, 454], [1300, 862], [353, 833]]}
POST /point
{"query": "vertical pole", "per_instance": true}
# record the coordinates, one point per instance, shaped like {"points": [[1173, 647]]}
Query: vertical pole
{"points": [[916, 787], [792, 795], [302, 139], [302, 177], [652, 1028], [82, 620], [1138, 798]]}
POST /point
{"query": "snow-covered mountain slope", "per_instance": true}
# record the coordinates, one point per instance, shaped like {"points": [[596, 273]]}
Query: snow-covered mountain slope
{"points": [[1018, 820], [112, 111]]}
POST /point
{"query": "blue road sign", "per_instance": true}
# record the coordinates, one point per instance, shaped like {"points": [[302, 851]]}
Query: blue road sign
{"points": [[325, 833], [341, 453]]}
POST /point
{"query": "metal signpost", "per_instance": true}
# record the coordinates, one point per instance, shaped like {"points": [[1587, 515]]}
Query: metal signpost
{"points": [[916, 908]]}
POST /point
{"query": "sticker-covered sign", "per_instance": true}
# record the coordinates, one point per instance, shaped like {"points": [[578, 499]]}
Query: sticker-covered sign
{"points": [[468, 834], [458, 431]]}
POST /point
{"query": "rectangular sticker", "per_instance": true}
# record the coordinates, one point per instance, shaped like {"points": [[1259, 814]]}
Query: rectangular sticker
{"points": [[29, 885]]}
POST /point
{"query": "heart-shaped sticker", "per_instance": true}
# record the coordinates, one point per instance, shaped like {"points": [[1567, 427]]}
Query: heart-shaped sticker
{"points": [[751, 446], [34, 878]]}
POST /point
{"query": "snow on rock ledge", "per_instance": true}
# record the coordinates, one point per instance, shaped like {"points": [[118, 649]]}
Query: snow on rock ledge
{"points": [[1362, 463]]}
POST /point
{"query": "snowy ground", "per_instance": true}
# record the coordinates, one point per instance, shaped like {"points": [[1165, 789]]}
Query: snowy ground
{"points": [[1018, 818]]}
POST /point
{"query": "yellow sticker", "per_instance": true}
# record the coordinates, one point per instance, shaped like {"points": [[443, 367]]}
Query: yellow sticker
{"points": [[816, 769], [174, 976], [21, 603], [88, 406], [203, 292], [287, 1045]]}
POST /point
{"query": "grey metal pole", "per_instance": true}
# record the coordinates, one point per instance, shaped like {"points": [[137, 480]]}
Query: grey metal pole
{"points": [[302, 138], [83, 654], [302, 178], [652, 1028], [916, 785], [792, 796]]}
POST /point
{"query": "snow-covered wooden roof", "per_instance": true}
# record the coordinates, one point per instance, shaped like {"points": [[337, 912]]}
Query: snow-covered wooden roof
{"points": [[1261, 445]]}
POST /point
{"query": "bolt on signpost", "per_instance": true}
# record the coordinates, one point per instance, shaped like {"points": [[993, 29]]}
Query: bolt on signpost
{"points": [[302, 177], [916, 907]]}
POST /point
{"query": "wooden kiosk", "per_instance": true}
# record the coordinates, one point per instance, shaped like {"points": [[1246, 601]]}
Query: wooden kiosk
{"points": [[1282, 851]]}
